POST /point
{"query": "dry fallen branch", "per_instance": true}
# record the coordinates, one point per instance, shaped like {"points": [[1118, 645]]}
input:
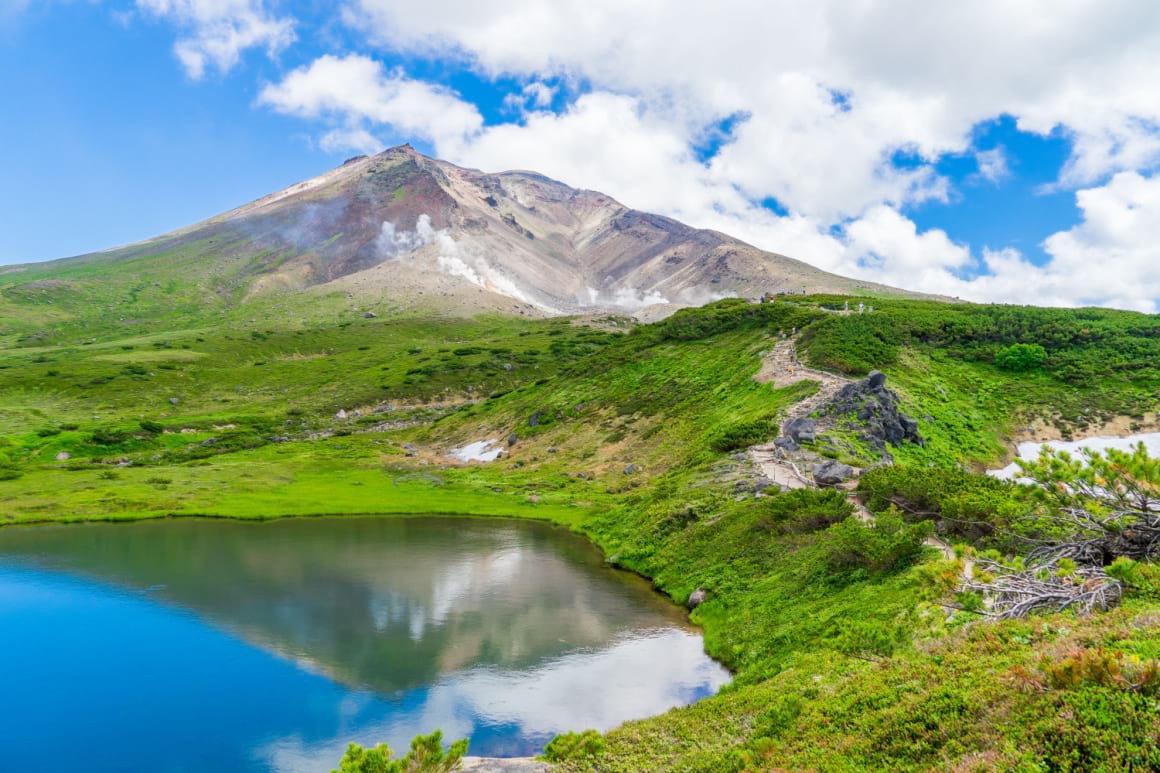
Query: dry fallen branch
{"points": [[1045, 587]]}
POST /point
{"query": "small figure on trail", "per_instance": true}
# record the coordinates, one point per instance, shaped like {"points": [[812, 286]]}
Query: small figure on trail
{"points": [[861, 308]]}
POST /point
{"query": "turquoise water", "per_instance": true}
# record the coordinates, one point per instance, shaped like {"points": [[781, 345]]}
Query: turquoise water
{"points": [[216, 645]]}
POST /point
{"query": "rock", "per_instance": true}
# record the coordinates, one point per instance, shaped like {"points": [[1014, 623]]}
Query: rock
{"points": [[871, 404], [832, 473], [513, 439], [279, 439], [63, 456], [552, 449], [802, 430], [341, 414], [697, 598], [370, 315], [762, 484], [174, 401], [631, 469], [786, 444], [534, 419], [209, 441], [508, 367], [534, 499]]}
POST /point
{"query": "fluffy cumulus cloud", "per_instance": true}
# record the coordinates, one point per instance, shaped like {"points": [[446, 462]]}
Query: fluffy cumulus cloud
{"points": [[216, 32], [356, 89], [818, 100]]}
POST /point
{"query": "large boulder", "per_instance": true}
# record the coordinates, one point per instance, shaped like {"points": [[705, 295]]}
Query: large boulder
{"points": [[697, 598], [802, 430], [832, 473], [874, 409]]}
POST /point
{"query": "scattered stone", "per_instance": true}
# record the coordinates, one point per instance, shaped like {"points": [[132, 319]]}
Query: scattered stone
{"points": [[832, 473], [697, 598], [534, 419], [552, 449], [341, 414], [762, 484], [63, 456], [209, 441], [631, 469], [534, 499], [174, 401], [279, 439], [786, 444], [370, 315], [508, 367]]}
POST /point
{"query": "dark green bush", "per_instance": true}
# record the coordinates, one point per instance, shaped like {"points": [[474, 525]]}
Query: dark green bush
{"points": [[743, 434], [108, 437], [888, 544], [854, 344], [965, 506], [804, 510], [1018, 358]]}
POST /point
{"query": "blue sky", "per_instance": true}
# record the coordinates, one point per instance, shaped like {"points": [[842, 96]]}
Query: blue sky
{"points": [[961, 151]]}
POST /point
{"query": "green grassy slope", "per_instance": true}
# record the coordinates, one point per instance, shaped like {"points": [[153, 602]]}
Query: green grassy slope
{"points": [[629, 437]]}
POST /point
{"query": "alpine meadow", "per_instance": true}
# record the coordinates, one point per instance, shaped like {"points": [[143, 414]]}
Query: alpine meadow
{"points": [[416, 467]]}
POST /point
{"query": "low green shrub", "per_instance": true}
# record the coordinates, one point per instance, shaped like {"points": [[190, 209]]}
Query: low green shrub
{"points": [[888, 544], [426, 756], [734, 437], [574, 746], [805, 510]]}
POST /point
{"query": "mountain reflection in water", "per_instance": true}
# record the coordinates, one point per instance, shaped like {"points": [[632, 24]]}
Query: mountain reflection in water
{"points": [[504, 631]]}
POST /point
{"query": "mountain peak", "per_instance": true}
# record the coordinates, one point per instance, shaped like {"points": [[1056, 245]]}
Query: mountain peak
{"points": [[409, 230]]}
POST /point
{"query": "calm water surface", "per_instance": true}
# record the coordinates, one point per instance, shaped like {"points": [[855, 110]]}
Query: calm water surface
{"points": [[215, 645]]}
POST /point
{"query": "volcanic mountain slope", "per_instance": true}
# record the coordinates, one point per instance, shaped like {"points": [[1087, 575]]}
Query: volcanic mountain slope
{"points": [[399, 230]]}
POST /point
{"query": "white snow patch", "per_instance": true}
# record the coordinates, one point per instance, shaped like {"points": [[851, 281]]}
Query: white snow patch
{"points": [[1029, 451], [479, 451]]}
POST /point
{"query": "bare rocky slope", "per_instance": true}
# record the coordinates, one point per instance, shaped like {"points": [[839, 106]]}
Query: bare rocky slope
{"points": [[403, 229]]}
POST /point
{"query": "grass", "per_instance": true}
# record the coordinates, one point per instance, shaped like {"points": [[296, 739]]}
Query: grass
{"points": [[206, 406]]}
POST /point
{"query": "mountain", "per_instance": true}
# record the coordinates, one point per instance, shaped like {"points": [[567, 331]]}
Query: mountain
{"points": [[399, 229]]}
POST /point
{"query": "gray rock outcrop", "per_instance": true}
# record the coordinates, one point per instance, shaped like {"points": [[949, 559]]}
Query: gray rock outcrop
{"points": [[874, 409]]}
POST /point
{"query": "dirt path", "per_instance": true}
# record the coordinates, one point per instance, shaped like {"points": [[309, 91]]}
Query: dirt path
{"points": [[780, 368]]}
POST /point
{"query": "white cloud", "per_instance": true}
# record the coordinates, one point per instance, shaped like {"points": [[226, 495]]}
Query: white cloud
{"points": [[354, 89], [350, 140], [216, 32], [992, 164], [916, 77]]}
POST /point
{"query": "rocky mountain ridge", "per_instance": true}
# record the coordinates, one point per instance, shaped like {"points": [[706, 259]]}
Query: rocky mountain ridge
{"points": [[402, 229]]}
